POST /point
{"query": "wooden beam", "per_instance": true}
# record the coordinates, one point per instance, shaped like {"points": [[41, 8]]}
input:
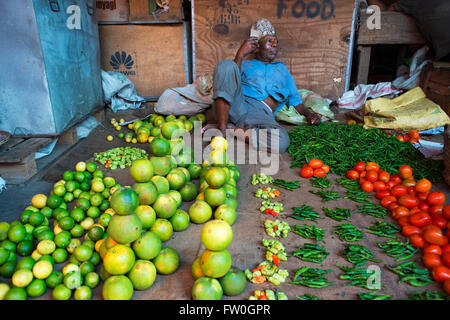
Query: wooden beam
{"points": [[396, 28], [363, 64]]}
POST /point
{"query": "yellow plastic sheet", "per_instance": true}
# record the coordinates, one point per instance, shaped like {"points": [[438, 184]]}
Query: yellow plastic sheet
{"points": [[411, 110]]}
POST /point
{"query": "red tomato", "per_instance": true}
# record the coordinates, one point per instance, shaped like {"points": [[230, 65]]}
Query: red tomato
{"points": [[420, 219], [382, 194], [372, 166], [422, 196], [306, 172], [384, 176], [390, 184], [319, 172], [436, 209], [438, 220], [431, 260], [352, 174], [372, 175], [326, 168], [440, 273], [446, 212], [396, 179], [445, 248], [435, 198], [386, 201], [434, 235], [400, 212], [403, 221], [417, 241], [399, 190], [405, 171], [360, 167], [409, 182], [446, 259], [411, 191], [315, 163], [379, 186], [432, 248], [409, 230], [447, 286], [414, 210], [401, 138], [408, 201], [393, 206], [367, 186], [423, 185], [423, 206]]}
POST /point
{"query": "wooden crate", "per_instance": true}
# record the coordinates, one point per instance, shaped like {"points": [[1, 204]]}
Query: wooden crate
{"points": [[112, 10], [314, 44], [435, 82], [141, 10], [155, 53]]}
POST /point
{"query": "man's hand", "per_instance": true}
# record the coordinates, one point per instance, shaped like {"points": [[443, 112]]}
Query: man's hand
{"points": [[313, 118], [248, 47]]}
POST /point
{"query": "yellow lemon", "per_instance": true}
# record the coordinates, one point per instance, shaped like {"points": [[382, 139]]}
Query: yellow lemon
{"points": [[109, 138], [42, 269], [219, 143], [80, 166], [39, 200]]}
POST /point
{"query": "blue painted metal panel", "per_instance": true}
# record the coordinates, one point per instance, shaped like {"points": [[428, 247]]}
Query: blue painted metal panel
{"points": [[69, 39], [52, 78]]}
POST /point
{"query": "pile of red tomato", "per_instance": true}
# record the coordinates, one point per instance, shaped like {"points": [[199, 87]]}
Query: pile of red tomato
{"points": [[412, 136], [314, 168], [421, 212]]}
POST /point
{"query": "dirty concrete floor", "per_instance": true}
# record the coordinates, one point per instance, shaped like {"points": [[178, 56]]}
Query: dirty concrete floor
{"points": [[248, 231]]}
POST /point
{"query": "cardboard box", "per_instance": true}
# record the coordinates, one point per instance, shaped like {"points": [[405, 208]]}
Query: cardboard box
{"points": [[148, 10], [112, 10], [151, 56]]}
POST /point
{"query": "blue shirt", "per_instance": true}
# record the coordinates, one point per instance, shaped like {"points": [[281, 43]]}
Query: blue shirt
{"points": [[259, 80]]}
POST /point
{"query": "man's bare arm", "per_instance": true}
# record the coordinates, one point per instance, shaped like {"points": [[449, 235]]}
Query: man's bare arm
{"points": [[248, 47], [312, 117]]}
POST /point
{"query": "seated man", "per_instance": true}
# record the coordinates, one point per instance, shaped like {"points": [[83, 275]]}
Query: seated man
{"points": [[248, 92]]}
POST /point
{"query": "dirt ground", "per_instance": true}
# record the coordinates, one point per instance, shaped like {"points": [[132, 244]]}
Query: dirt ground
{"points": [[246, 248]]}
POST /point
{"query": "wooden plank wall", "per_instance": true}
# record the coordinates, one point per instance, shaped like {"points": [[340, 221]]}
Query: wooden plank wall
{"points": [[314, 37], [157, 52]]}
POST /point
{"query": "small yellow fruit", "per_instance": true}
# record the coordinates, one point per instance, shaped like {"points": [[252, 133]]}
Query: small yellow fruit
{"points": [[39, 200], [118, 128], [109, 138], [80, 166], [134, 140]]}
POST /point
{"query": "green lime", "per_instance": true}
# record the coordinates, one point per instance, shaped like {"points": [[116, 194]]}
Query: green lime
{"points": [[85, 186], [83, 293], [25, 263], [36, 288], [95, 259], [98, 174], [7, 269], [47, 212], [91, 167], [104, 219], [8, 245], [106, 194], [66, 223], [46, 234], [68, 175], [12, 257], [96, 233], [25, 247], [36, 218], [91, 279], [4, 255], [62, 239], [104, 205], [86, 267], [54, 201], [79, 176], [73, 244], [16, 294], [68, 197], [77, 192], [73, 260], [61, 292], [77, 214], [73, 280], [25, 215], [29, 235], [59, 190], [4, 227], [16, 232], [77, 231], [63, 205], [83, 203], [55, 278], [71, 186], [96, 199], [83, 253], [60, 255], [93, 212], [109, 181]]}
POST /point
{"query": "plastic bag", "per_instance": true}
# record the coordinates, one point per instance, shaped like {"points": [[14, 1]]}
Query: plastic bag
{"points": [[357, 97], [119, 92], [411, 79], [411, 110], [188, 100], [290, 115], [316, 103]]}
